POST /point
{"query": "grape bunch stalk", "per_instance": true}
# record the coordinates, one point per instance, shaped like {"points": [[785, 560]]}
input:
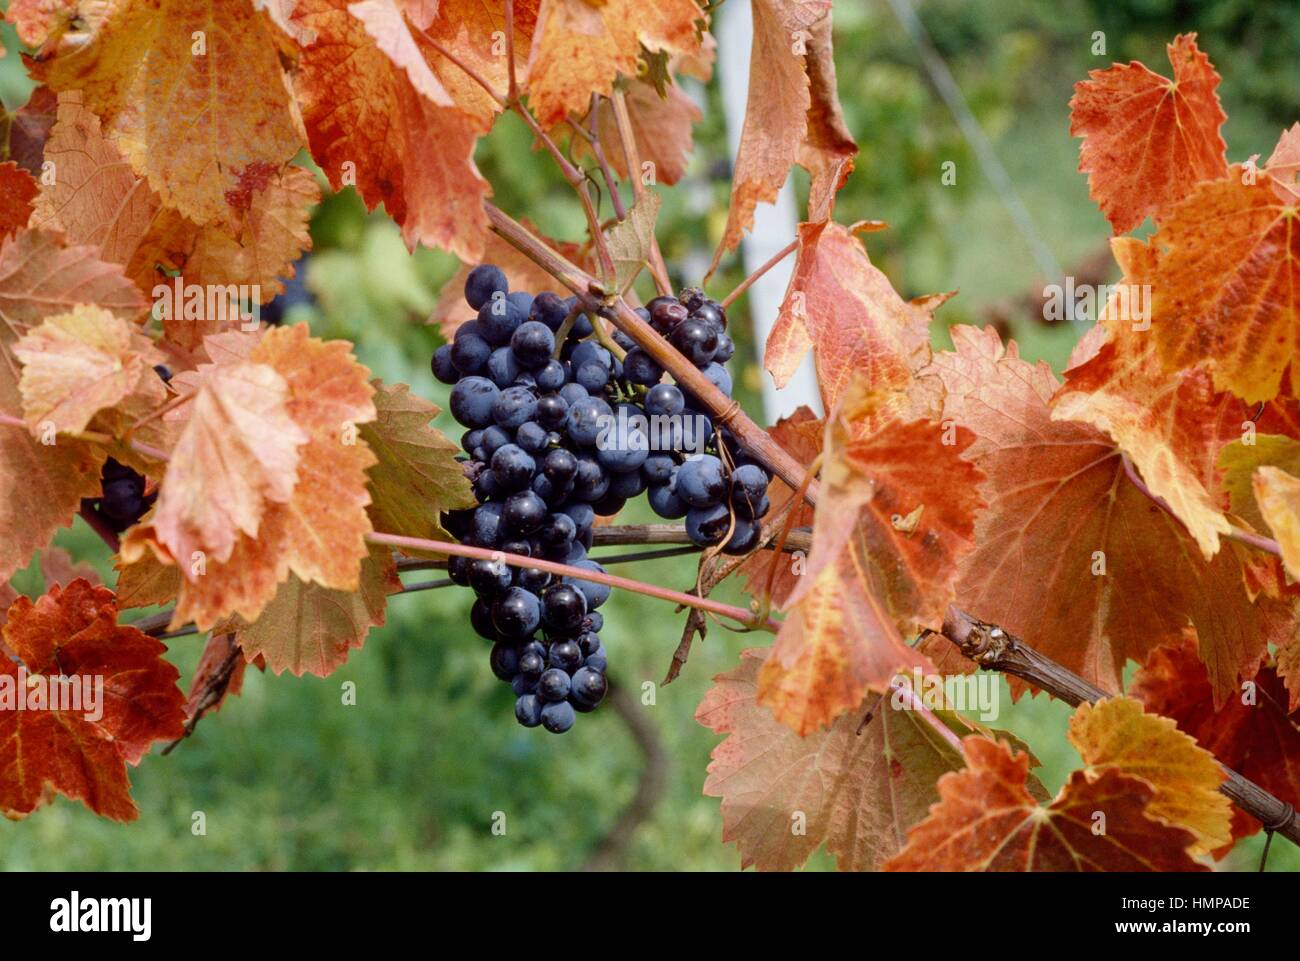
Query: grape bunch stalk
{"points": [[560, 430]]}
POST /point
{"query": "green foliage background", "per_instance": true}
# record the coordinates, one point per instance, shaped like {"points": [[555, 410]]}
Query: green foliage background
{"points": [[411, 777]]}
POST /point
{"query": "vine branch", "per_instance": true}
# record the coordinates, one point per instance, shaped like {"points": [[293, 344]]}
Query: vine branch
{"points": [[995, 649]]}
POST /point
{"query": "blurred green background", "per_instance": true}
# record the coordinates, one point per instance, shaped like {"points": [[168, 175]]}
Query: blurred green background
{"points": [[411, 777]]}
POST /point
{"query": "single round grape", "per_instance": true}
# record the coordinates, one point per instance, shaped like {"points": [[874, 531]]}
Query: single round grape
{"points": [[666, 314], [563, 607], [493, 438], [701, 481], [480, 618], [532, 437], [588, 686], [500, 317], [522, 685], [596, 594], [586, 418], [588, 641], [553, 685], [710, 313], [528, 710], [565, 655], [487, 487], [523, 548], [627, 485], [560, 465], [549, 308], [718, 376], [532, 344], [640, 368], [458, 570], [726, 349], [471, 401], [664, 399], [486, 529], [554, 494], [533, 579], [696, 341], [591, 482], [589, 352], [558, 529], [597, 660], [551, 375], [658, 468], [592, 378], [516, 612], [619, 454], [504, 660], [594, 622], [552, 409], [744, 538], [523, 513], [573, 392], [469, 349], [442, 366], [665, 503], [513, 406], [482, 282], [471, 439], [503, 368], [513, 467], [608, 504], [706, 526], [488, 578], [558, 717], [622, 339]]}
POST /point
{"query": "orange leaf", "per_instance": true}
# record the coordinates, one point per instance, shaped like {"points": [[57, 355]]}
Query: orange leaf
{"points": [[474, 30], [1278, 496], [580, 47], [37, 20], [17, 191], [1250, 733], [1116, 735], [1071, 556], [41, 486], [1147, 141], [848, 313], [854, 792], [988, 821], [79, 363], [73, 634], [1227, 285], [371, 120], [193, 121], [1170, 424]]}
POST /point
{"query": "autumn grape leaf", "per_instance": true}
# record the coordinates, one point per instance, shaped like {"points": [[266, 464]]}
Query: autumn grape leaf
{"points": [[1115, 734], [895, 514], [1148, 140], [97, 199], [1170, 424], [474, 31], [29, 127], [218, 675], [630, 240], [1278, 495], [17, 191], [828, 148], [1226, 288], [1250, 733], [986, 820], [661, 126], [72, 634], [79, 363], [38, 20], [1283, 164], [317, 532], [237, 453], [846, 311], [417, 475], [855, 793], [390, 128], [579, 48], [192, 93], [1070, 555], [309, 629], [522, 273], [41, 486]]}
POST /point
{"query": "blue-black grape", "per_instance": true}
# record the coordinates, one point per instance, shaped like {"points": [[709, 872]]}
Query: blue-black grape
{"points": [[482, 282]]}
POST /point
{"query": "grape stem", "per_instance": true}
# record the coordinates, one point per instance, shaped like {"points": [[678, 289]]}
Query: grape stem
{"points": [[95, 437], [421, 545], [748, 282], [726, 412], [632, 160], [597, 151]]}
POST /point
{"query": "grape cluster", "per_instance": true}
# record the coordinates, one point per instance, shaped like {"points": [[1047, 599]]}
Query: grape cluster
{"points": [[560, 431]]}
